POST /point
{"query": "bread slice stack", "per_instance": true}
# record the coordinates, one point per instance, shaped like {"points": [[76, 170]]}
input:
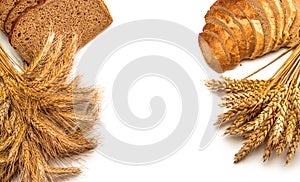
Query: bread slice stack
{"points": [[236, 30], [28, 23]]}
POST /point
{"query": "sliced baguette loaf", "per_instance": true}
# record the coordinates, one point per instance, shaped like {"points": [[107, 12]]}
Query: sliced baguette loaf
{"points": [[21, 7], [5, 7], [272, 24], [86, 18]]}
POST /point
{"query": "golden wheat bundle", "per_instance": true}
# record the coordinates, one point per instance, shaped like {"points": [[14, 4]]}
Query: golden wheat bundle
{"points": [[264, 111], [38, 123]]}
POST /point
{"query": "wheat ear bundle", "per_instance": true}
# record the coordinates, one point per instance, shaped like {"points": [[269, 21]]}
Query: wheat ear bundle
{"points": [[264, 111], [38, 123]]}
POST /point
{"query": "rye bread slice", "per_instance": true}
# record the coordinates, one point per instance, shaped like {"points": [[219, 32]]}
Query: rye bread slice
{"points": [[295, 29], [213, 52], [21, 7], [277, 8], [224, 20], [267, 19], [5, 7], [290, 15], [86, 18], [256, 25], [231, 48]]}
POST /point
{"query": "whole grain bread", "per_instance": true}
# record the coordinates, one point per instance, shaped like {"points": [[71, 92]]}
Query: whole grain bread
{"points": [[231, 48], [213, 52], [224, 20], [85, 18], [5, 7], [19, 8]]}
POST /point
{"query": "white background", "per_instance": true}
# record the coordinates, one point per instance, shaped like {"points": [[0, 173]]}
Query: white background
{"points": [[189, 163]]}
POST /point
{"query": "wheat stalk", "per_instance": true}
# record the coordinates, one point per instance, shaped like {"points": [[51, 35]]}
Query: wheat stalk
{"points": [[38, 124], [264, 111]]}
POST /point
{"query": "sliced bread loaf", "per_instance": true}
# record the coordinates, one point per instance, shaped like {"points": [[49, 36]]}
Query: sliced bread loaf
{"points": [[230, 46], [21, 7], [256, 25], [213, 52], [277, 8], [5, 7], [295, 29], [86, 18]]}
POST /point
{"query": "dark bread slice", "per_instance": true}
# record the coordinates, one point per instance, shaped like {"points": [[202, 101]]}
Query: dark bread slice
{"points": [[295, 29], [224, 20], [256, 25], [277, 8], [267, 19], [86, 18], [21, 7], [290, 15], [231, 48], [5, 7], [213, 52]]}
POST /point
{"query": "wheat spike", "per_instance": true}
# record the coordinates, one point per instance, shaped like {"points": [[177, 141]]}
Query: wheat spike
{"points": [[38, 123], [264, 111]]}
